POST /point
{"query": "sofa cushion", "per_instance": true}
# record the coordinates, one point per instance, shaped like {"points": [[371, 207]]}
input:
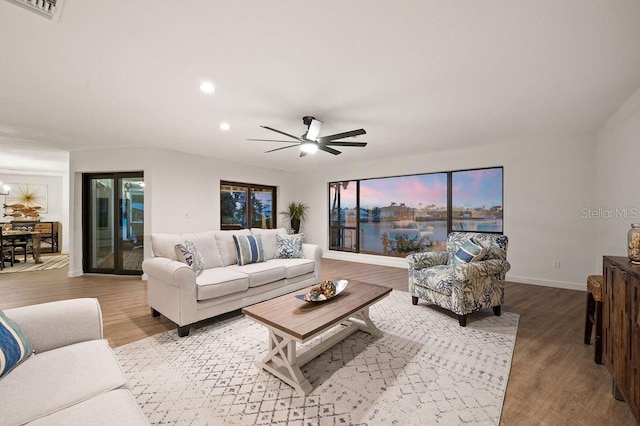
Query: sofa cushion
{"points": [[248, 249], [262, 273], [227, 247], [268, 240], [289, 246], [164, 245], [62, 377], [218, 282], [188, 253], [14, 345], [207, 246], [114, 408], [295, 267], [470, 251]]}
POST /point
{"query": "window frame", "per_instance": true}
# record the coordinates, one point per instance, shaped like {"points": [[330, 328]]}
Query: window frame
{"points": [[249, 187], [339, 229]]}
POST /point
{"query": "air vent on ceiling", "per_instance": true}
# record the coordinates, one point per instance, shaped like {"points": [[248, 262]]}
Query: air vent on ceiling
{"points": [[48, 8]]}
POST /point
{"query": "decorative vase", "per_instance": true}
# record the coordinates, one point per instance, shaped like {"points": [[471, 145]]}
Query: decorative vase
{"points": [[633, 240], [295, 226]]}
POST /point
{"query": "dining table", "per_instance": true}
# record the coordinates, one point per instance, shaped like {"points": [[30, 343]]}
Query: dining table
{"points": [[34, 236]]}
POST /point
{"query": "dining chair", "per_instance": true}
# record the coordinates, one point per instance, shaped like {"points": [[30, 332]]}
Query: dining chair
{"points": [[5, 248]]}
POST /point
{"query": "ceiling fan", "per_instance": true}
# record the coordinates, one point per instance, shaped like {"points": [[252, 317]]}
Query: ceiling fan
{"points": [[311, 141]]}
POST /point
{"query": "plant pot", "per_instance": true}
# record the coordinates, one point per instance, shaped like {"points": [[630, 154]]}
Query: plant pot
{"points": [[295, 225]]}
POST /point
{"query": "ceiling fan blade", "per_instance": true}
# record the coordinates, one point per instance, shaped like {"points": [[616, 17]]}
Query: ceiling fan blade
{"points": [[323, 139], [327, 149], [270, 140], [282, 133], [278, 149], [360, 144]]}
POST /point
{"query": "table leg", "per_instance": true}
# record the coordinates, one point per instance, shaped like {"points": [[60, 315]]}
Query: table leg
{"points": [[35, 239], [282, 362]]}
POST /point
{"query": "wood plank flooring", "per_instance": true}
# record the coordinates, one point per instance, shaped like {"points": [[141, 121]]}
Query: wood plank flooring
{"points": [[553, 379]]}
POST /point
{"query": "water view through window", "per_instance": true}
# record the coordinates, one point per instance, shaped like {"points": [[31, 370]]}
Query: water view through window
{"points": [[396, 216]]}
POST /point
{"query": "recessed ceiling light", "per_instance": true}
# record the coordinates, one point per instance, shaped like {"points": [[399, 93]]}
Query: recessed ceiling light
{"points": [[225, 126], [207, 87]]}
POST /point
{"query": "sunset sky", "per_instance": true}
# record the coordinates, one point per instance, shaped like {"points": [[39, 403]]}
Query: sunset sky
{"points": [[475, 188]]}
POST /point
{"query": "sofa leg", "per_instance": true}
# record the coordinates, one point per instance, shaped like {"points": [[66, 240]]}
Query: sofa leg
{"points": [[414, 300], [184, 330], [462, 319], [496, 310], [155, 313]]}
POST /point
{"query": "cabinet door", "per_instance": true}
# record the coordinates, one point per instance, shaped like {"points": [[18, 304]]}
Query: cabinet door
{"points": [[607, 293], [620, 325], [634, 347]]}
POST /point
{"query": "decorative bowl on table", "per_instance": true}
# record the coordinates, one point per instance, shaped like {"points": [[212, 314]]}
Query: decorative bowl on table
{"points": [[324, 291]]}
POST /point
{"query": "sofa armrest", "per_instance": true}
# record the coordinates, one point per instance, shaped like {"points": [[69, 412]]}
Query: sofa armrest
{"points": [[169, 271], [427, 259], [312, 251], [56, 324]]}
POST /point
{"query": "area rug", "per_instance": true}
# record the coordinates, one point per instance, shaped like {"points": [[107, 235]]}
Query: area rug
{"points": [[424, 370], [48, 262]]}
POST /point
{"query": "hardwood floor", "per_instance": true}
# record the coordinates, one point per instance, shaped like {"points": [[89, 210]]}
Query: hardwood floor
{"points": [[553, 379]]}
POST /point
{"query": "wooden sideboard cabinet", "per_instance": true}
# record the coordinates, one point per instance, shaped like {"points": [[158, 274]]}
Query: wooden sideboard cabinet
{"points": [[49, 233], [621, 328]]}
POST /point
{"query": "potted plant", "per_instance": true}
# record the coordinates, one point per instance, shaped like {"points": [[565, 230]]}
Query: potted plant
{"points": [[296, 213]]}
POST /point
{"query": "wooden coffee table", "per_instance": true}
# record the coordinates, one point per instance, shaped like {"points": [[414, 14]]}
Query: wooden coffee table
{"points": [[291, 321]]}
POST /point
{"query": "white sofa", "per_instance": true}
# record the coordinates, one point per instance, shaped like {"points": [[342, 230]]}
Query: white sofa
{"points": [[176, 292], [74, 377]]}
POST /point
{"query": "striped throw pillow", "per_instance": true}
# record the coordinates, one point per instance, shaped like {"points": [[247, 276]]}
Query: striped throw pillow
{"points": [[470, 251], [14, 346], [248, 249]]}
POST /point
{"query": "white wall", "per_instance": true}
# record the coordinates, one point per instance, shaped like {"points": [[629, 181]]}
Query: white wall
{"points": [[57, 199], [547, 183], [618, 184], [182, 191]]}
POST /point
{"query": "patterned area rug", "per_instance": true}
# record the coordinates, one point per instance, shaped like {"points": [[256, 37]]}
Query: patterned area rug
{"points": [[426, 369], [48, 262]]}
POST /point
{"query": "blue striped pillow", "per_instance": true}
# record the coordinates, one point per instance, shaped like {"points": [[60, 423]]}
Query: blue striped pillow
{"points": [[248, 249], [14, 346], [471, 251]]}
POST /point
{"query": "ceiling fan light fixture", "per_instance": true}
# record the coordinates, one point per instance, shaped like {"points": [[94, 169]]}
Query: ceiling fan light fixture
{"points": [[314, 130], [309, 147]]}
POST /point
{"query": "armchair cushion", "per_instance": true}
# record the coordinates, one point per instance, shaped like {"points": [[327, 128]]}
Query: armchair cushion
{"points": [[427, 259]]}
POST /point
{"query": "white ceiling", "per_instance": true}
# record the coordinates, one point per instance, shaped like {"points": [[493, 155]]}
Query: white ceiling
{"points": [[417, 75]]}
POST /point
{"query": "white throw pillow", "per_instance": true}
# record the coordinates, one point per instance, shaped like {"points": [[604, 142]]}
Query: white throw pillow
{"points": [[269, 240], [289, 246], [189, 254]]}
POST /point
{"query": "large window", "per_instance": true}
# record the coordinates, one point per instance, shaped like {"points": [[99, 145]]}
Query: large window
{"points": [[244, 205], [395, 216]]}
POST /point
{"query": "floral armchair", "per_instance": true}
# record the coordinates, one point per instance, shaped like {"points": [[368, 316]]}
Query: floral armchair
{"points": [[467, 277]]}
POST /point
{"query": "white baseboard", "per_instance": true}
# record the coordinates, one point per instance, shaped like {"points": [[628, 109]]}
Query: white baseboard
{"points": [[400, 262], [73, 274], [144, 277], [548, 283]]}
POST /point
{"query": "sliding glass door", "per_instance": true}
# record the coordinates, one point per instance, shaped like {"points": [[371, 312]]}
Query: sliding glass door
{"points": [[113, 223]]}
